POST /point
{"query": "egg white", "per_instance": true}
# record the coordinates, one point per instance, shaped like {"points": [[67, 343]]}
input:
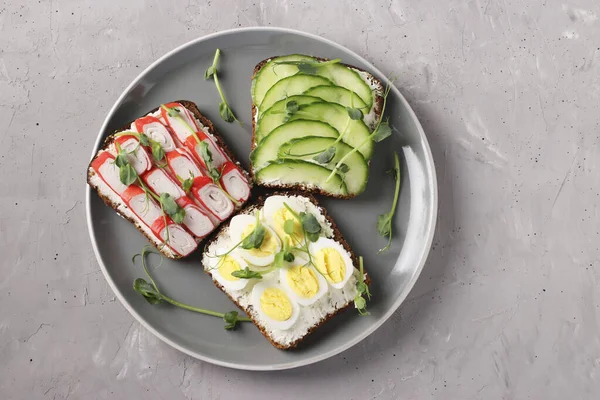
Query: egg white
{"points": [[323, 288], [324, 243], [257, 292], [214, 270], [236, 229]]}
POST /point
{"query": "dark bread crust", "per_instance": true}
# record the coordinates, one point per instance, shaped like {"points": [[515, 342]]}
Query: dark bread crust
{"points": [[377, 104], [193, 108], [337, 236]]}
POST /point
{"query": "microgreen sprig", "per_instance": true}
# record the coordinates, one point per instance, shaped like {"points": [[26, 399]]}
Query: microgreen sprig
{"points": [[154, 296], [384, 221], [186, 184], [211, 72], [360, 302], [381, 132]]}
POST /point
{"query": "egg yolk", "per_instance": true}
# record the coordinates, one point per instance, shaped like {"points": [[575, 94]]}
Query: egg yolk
{"points": [[303, 281], [268, 246], [330, 263], [227, 265], [275, 304], [279, 218]]}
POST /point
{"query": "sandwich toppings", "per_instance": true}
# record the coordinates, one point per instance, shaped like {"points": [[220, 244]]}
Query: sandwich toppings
{"points": [[170, 177], [316, 123], [286, 269]]}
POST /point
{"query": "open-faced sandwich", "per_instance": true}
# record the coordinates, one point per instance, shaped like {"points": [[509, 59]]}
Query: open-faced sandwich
{"points": [[171, 175], [284, 262], [315, 122]]}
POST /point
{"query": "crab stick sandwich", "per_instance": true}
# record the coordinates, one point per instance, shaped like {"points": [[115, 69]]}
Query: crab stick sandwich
{"points": [[170, 174]]}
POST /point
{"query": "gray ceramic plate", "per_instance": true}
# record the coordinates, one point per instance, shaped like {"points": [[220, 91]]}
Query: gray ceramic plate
{"points": [[179, 75]]}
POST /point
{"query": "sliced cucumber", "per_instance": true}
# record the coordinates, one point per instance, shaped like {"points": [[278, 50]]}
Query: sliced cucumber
{"points": [[340, 95], [354, 132], [294, 172], [348, 78], [305, 148], [279, 107], [268, 148], [290, 86], [271, 73]]}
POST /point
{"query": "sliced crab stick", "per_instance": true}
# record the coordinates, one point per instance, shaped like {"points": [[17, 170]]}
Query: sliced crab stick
{"points": [[182, 164], [180, 241], [234, 182], [149, 213], [138, 157], [142, 206], [105, 167], [182, 125], [155, 130], [195, 220], [218, 158], [212, 197]]}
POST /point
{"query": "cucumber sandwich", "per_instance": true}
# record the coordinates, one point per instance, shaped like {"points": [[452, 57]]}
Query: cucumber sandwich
{"points": [[313, 124]]}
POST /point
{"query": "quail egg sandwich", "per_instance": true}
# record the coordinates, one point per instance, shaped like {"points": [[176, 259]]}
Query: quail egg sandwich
{"points": [[284, 263]]}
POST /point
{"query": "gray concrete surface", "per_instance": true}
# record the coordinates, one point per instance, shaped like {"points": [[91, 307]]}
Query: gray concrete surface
{"points": [[508, 304]]}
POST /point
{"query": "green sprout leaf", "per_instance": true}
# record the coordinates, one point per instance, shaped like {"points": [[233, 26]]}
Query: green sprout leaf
{"points": [[384, 221], [206, 154], [310, 223], [127, 174], [172, 209], [255, 239], [360, 303], [291, 108], [186, 184], [307, 68], [246, 273], [354, 113], [382, 132], [144, 140], [121, 159], [157, 151], [231, 319], [325, 156], [147, 290], [226, 113], [288, 256], [210, 71]]}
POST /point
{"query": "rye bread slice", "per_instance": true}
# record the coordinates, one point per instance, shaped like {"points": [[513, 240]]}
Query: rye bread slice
{"points": [[337, 236], [122, 209], [377, 107]]}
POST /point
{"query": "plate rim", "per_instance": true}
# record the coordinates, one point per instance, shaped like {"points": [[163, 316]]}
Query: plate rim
{"points": [[430, 229]]}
